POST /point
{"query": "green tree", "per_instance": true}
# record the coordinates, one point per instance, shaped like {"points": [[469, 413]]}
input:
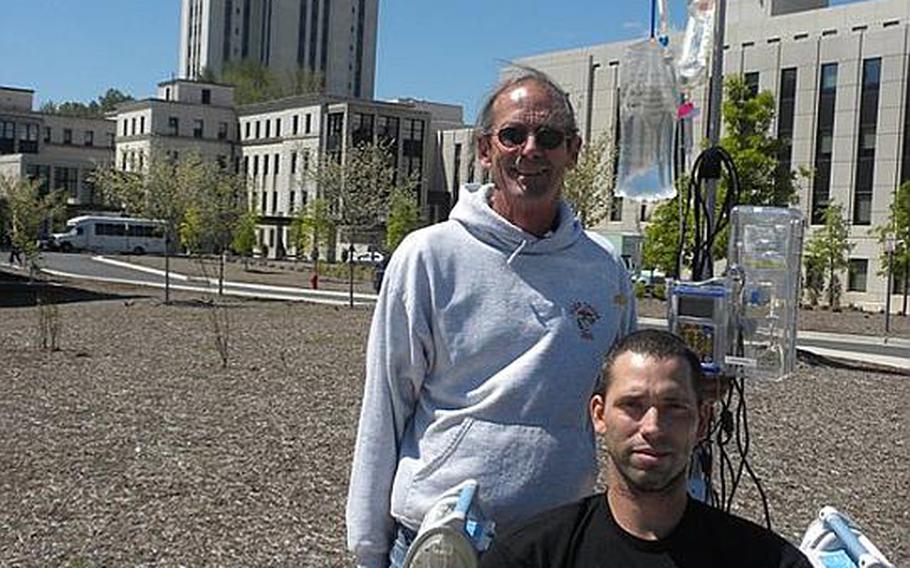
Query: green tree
{"points": [[29, 211], [244, 236], [312, 227], [94, 109], [404, 217], [164, 190], [661, 239], [749, 139], [357, 189], [897, 226], [254, 82], [191, 230], [829, 248], [588, 186], [814, 278]]}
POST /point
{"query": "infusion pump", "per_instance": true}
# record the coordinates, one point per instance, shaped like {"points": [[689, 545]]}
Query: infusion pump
{"points": [[745, 321]]}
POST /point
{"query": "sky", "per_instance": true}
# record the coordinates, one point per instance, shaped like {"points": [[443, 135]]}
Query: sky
{"points": [[443, 51]]}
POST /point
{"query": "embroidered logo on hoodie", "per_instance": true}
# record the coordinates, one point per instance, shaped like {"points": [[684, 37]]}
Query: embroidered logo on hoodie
{"points": [[585, 317]]}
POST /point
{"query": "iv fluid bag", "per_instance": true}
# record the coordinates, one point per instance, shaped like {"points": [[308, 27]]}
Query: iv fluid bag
{"points": [[698, 42], [647, 114]]}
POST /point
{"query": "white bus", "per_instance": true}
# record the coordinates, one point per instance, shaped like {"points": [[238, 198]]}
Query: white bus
{"points": [[111, 235]]}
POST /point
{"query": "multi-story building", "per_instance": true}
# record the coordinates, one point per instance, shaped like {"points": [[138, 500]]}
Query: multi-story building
{"points": [[282, 140], [840, 76], [334, 39], [59, 151], [184, 116]]}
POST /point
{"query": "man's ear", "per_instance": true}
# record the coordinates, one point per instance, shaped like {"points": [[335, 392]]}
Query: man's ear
{"points": [[597, 408], [483, 151], [574, 147]]}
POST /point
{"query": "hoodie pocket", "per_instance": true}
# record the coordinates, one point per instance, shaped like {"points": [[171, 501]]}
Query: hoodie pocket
{"points": [[521, 469]]}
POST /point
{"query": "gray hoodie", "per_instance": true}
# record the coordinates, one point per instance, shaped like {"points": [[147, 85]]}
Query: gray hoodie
{"points": [[484, 350]]}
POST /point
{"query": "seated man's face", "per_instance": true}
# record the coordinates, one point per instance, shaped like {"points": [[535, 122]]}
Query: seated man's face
{"points": [[649, 418]]}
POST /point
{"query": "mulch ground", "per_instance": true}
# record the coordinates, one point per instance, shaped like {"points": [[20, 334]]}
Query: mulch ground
{"points": [[132, 446]]}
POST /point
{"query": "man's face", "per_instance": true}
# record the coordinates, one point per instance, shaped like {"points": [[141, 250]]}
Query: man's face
{"points": [[650, 420], [516, 152]]}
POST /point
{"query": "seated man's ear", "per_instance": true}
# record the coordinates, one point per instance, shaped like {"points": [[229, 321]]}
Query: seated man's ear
{"points": [[597, 408]]}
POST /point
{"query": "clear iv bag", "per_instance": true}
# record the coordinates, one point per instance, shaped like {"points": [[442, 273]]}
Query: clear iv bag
{"points": [[648, 104], [697, 44]]}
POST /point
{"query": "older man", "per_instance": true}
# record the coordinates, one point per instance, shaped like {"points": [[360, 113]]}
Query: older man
{"points": [[649, 413], [487, 339]]}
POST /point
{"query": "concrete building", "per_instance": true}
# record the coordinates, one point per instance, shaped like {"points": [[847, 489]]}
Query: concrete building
{"points": [[840, 77], [59, 151], [336, 39], [284, 139], [184, 116]]}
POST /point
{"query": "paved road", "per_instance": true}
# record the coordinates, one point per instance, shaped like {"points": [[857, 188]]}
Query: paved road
{"points": [[892, 352], [112, 269]]}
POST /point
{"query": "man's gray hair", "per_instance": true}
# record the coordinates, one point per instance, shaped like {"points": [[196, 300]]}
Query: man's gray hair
{"points": [[564, 112]]}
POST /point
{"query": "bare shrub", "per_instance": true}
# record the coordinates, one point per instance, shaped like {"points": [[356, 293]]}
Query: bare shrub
{"points": [[48, 331]]}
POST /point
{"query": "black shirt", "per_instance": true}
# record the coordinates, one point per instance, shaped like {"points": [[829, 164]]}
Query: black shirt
{"points": [[585, 535]]}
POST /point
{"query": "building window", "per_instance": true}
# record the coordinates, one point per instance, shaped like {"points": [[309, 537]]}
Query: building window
{"points": [[616, 209], [265, 197], [293, 163], [308, 123], [277, 127], [785, 118], [67, 179], [295, 124], [222, 130], [334, 137], [456, 168], [268, 128], [274, 202], [173, 126], [89, 138], [246, 130], [265, 165], [133, 125], [67, 135], [306, 160], [275, 159], [257, 129], [206, 96], [752, 79], [865, 147], [361, 128], [126, 125], [856, 274], [197, 128], [142, 124], [47, 134], [291, 203], [824, 136], [255, 165]]}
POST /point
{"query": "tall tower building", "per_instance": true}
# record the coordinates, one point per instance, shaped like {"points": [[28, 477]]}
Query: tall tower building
{"points": [[335, 38]]}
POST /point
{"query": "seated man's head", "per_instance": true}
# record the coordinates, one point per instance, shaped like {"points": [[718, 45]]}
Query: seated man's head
{"points": [[648, 409]]}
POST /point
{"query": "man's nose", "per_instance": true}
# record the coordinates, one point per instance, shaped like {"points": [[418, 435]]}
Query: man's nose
{"points": [[531, 145], [650, 422]]}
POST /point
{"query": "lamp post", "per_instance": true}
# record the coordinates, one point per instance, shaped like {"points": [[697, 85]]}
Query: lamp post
{"points": [[715, 110], [889, 248]]}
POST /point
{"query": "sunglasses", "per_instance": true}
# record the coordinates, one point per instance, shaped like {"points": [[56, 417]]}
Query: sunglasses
{"points": [[516, 135]]}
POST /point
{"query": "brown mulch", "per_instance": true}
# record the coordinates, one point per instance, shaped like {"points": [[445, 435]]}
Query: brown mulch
{"points": [[131, 446]]}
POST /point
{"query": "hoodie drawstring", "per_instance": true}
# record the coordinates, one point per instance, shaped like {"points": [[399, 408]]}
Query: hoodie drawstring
{"points": [[517, 251]]}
